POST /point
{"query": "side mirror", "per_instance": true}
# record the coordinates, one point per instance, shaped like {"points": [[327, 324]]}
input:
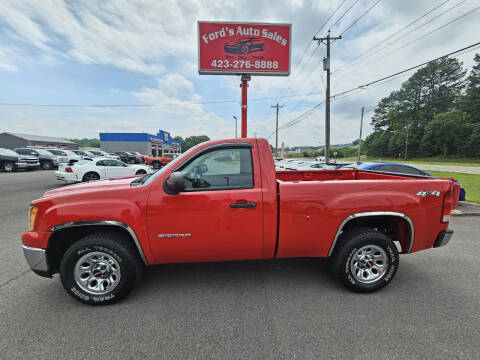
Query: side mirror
{"points": [[175, 182]]}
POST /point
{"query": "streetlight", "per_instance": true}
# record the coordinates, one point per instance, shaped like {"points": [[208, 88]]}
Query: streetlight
{"points": [[235, 126]]}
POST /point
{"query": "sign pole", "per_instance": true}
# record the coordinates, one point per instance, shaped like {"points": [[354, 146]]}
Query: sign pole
{"points": [[245, 79]]}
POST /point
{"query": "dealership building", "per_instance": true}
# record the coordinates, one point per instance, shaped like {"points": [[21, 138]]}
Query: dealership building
{"points": [[11, 140], [147, 144]]}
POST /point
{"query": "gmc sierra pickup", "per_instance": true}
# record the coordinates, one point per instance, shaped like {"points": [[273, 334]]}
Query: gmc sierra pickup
{"points": [[100, 235]]}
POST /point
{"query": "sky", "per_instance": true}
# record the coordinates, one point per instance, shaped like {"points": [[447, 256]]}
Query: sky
{"points": [[144, 53]]}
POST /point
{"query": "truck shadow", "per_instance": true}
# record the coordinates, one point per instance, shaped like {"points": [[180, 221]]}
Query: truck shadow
{"points": [[249, 274]]}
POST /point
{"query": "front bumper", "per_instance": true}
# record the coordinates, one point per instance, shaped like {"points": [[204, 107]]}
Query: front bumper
{"points": [[37, 260], [20, 165], [443, 238], [33, 165], [67, 177]]}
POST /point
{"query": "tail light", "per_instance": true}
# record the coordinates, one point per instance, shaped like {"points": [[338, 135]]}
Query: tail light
{"points": [[447, 206], [68, 169]]}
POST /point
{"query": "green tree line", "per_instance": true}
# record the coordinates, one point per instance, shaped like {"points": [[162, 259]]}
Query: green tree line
{"points": [[191, 141], [436, 112]]}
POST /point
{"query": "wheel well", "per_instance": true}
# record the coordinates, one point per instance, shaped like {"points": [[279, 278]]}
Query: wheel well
{"points": [[91, 172], [397, 228], [62, 239]]}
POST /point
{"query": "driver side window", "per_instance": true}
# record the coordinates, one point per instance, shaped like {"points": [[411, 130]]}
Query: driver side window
{"points": [[220, 170]]}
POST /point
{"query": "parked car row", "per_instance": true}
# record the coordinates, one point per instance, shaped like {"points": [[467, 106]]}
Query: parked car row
{"points": [[295, 164], [45, 158], [11, 161], [90, 169]]}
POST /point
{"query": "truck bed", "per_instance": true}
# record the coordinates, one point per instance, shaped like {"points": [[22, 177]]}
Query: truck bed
{"points": [[316, 202]]}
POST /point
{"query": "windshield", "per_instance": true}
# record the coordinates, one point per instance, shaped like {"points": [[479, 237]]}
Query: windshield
{"points": [[70, 153], [8, 152], [56, 152], [171, 164], [43, 152], [82, 162]]}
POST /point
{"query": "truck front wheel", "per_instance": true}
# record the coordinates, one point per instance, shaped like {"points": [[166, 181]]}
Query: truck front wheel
{"points": [[101, 268], [156, 164], [365, 260]]}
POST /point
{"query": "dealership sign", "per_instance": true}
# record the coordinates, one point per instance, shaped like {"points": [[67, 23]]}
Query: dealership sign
{"points": [[244, 48]]}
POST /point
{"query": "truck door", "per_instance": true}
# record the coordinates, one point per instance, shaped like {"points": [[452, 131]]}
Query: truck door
{"points": [[218, 216]]}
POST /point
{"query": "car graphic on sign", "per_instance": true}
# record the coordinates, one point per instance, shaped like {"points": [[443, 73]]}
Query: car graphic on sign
{"points": [[244, 46]]}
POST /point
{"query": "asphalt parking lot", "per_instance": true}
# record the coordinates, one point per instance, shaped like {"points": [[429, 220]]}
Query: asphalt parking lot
{"points": [[261, 310]]}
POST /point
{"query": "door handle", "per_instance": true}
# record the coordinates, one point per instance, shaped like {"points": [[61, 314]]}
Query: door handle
{"points": [[243, 205]]}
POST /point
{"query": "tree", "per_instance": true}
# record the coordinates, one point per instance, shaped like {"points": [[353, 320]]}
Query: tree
{"points": [[470, 103], [191, 141], [446, 134], [402, 116]]}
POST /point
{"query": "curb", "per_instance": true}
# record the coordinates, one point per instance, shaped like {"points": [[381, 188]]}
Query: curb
{"points": [[462, 213]]}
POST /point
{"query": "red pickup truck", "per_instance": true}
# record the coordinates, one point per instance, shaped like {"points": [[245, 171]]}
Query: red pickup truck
{"points": [[223, 200]]}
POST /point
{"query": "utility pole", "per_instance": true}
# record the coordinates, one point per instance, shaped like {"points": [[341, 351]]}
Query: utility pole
{"points": [[235, 127], [360, 138], [276, 129], [326, 67], [406, 145]]}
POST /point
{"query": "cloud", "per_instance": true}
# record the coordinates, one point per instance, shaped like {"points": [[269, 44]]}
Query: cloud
{"points": [[158, 38], [7, 58]]}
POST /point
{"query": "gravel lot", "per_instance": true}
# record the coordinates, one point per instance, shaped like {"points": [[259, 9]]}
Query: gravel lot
{"points": [[272, 309]]}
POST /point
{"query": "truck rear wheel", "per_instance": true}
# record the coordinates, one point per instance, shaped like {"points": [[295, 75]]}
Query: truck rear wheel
{"points": [[101, 268], [365, 260]]}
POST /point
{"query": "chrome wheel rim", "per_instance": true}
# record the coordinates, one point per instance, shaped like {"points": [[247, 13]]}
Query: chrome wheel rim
{"points": [[8, 167], [97, 273], [369, 264]]}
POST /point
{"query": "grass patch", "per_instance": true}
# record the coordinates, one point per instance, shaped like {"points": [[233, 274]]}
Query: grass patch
{"points": [[430, 161], [470, 182]]}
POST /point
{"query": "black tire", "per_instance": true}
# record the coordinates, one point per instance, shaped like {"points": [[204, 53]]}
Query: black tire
{"points": [[115, 246], [90, 176], [46, 165], [131, 161], [347, 266], [8, 166], [141, 172], [156, 164]]}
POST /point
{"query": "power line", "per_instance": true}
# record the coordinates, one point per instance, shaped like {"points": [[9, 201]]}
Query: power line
{"points": [[418, 27], [310, 111], [360, 17], [431, 32], [404, 71], [284, 92], [345, 13], [390, 36]]}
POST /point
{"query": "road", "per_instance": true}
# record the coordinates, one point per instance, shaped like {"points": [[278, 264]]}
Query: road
{"points": [[449, 168], [261, 310]]}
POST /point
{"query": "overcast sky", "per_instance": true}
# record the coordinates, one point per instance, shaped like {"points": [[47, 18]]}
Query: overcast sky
{"points": [[145, 52]]}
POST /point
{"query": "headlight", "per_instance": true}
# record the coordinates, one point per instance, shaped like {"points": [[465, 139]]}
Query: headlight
{"points": [[33, 215]]}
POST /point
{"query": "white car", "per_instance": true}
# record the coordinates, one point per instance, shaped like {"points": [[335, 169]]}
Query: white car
{"points": [[98, 168], [65, 156]]}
